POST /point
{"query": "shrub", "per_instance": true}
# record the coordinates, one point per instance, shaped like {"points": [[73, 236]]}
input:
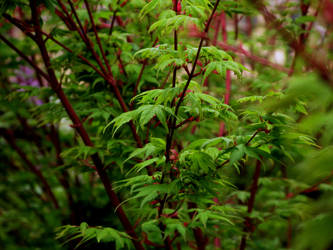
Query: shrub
{"points": [[188, 124]]}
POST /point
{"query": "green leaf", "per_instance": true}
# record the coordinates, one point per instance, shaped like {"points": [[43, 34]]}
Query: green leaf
{"points": [[83, 227], [236, 154], [138, 167], [166, 25], [153, 231], [149, 7], [304, 19], [121, 120], [101, 234]]}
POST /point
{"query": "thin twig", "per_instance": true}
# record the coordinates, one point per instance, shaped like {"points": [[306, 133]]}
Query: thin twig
{"points": [[24, 57], [97, 37], [248, 226], [173, 122]]}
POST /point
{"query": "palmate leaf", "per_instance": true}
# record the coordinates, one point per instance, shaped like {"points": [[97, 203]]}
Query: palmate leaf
{"points": [[216, 141], [208, 54], [167, 25], [133, 182], [121, 120], [149, 111], [158, 96], [152, 230], [204, 215], [197, 8], [237, 154], [193, 85], [197, 144], [208, 98], [155, 147], [155, 52], [198, 162], [138, 167], [206, 107], [173, 225], [251, 99], [154, 190], [86, 233], [173, 60], [149, 7], [146, 189], [304, 19], [226, 113], [221, 68], [202, 163], [142, 115], [80, 151]]}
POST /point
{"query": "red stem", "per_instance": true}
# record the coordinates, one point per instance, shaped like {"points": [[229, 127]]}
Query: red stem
{"points": [[107, 75], [97, 37], [236, 19], [199, 237], [113, 20], [257, 59], [175, 42], [85, 38], [24, 57], [135, 91], [145, 62], [78, 55], [184, 122], [173, 122], [217, 29], [248, 226], [321, 65], [122, 66], [197, 231], [79, 127], [228, 72], [64, 179]]}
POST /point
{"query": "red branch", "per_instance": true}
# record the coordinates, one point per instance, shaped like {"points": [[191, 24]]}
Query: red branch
{"points": [[248, 226], [228, 72], [257, 59], [319, 64], [78, 125]]}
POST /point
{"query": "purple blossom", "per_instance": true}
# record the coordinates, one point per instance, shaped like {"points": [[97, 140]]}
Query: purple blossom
{"points": [[25, 76]]}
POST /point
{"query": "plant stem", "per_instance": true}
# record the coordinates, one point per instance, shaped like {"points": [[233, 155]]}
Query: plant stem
{"points": [[248, 226], [173, 121], [199, 237], [197, 231], [106, 75], [78, 55], [228, 72], [175, 45], [144, 64], [79, 127], [24, 57], [321, 65], [113, 20], [85, 38], [255, 58], [97, 37], [64, 179]]}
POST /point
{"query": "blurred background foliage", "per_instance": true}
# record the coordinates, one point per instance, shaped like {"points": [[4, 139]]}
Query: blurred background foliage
{"points": [[279, 113]]}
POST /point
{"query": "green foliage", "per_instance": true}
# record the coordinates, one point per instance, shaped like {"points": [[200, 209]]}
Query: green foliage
{"points": [[100, 234], [122, 132]]}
